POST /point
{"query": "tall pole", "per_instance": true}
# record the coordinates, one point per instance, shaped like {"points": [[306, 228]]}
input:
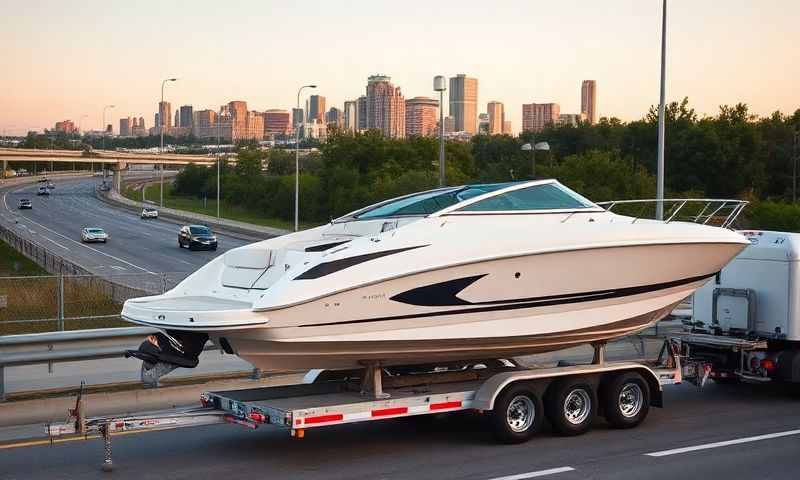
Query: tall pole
{"points": [[795, 155], [103, 130], [297, 165], [218, 161], [439, 86], [660, 180], [161, 130]]}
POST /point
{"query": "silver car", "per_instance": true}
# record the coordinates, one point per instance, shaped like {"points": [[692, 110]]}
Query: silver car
{"points": [[148, 212], [92, 234]]}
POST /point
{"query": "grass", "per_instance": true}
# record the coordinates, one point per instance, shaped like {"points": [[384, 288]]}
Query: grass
{"points": [[209, 207], [13, 263]]}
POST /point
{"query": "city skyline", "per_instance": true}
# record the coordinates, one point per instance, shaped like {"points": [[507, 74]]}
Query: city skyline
{"points": [[712, 63]]}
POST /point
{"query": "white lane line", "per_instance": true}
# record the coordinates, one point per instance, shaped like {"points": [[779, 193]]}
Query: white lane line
{"points": [[706, 446], [117, 267], [540, 473], [53, 241], [184, 261]]}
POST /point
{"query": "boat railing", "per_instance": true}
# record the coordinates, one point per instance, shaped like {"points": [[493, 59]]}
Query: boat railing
{"points": [[706, 211]]}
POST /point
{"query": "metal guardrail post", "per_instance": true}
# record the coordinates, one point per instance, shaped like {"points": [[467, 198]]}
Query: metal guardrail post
{"points": [[2, 383], [61, 302]]}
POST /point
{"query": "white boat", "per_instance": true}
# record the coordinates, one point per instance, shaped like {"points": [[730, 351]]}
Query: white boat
{"points": [[471, 272]]}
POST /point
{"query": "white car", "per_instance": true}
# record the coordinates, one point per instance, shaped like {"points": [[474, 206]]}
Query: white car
{"points": [[91, 234], [148, 212]]}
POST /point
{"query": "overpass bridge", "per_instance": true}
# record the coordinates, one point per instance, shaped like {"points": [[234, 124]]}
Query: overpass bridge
{"points": [[122, 159]]}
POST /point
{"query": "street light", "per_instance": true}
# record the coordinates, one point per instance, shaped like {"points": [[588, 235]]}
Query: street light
{"points": [[161, 129], [660, 178], [439, 86], [103, 130], [533, 146], [297, 164]]}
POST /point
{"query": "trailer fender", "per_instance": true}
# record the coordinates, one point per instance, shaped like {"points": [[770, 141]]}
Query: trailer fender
{"points": [[488, 392], [789, 366]]}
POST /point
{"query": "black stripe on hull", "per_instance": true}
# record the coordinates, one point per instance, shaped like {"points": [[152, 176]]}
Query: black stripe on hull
{"points": [[532, 302]]}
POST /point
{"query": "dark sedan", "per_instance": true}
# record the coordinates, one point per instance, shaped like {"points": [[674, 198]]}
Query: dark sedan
{"points": [[24, 203], [197, 237]]}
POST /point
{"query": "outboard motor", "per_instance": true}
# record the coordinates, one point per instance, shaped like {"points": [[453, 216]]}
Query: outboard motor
{"points": [[164, 352]]}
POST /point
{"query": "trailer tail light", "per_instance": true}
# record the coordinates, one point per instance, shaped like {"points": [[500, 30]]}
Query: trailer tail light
{"points": [[768, 365], [205, 400], [258, 417]]}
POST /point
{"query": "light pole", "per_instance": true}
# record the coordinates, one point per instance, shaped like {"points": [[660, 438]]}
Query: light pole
{"points": [[660, 179], [103, 130], [439, 86], [795, 157], [297, 164], [161, 130], [533, 146]]}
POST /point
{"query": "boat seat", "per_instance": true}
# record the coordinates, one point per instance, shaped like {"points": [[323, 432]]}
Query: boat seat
{"points": [[244, 266]]}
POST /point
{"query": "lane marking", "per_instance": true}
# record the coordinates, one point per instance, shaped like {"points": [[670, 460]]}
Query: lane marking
{"points": [[706, 446], [117, 267], [51, 240], [540, 473]]}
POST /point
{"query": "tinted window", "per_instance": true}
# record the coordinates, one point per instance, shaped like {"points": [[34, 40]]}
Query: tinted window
{"points": [[200, 230], [429, 202], [94, 230], [539, 197]]}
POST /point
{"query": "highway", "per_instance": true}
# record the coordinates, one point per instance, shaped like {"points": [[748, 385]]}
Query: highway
{"points": [[721, 432], [135, 246]]}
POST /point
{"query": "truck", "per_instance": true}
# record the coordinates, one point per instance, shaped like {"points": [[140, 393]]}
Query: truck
{"points": [[745, 323]]}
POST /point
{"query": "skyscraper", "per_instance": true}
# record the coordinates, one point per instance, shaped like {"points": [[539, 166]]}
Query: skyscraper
{"points": [[464, 103], [316, 108], [497, 117], [164, 114], [125, 126], [157, 122], [507, 129], [421, 115], [351, 115], [589, 100], [186, 116], [277, 121], [177, 118], [361, 113], [141, 122], [386, 108], [297, 117], [334, 117], [536, 116], [204, 124]]}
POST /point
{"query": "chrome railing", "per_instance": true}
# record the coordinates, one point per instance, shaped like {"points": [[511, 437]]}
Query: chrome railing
{"points": [[706, 211]]}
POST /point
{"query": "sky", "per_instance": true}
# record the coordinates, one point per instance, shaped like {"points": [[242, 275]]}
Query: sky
{"points": [[67, 60]]}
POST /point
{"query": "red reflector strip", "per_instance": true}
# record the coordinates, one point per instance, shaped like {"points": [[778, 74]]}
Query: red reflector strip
{"points": [[324, 418], [390, 411], [445, 405]]}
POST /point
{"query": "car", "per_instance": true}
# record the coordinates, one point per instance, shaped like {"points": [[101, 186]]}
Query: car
{"points": [[51, 185], [42, 180], [24, 203], [94, 234], [43, 191], [149, 212], [197, 237]]}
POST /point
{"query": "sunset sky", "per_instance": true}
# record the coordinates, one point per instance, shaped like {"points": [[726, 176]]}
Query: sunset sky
{"points": [[62, 60]]}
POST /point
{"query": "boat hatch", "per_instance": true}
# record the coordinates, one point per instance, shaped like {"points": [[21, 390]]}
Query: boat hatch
{"points": [[244, 266]]}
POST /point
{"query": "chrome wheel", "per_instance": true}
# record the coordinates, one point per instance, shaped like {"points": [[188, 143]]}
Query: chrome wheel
{"points": [[577, 406], [630, 400], [520, 413]]}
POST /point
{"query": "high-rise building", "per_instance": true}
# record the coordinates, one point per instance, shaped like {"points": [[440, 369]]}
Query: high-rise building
{"points": [[386, 107], [361, 113], [156, 122], [186, 116], [125, 126], [464, 103], [141, 122], [204, 124], [351, 115], [135, 123], [316, 108], [507, 128], [164, 114], [297, 117], [421, 113], [571, 118], [497, 116], [177, 119], [66, 126], [536, 116], [449, 124], [277, 121], [589, 100], [334, 117], [483, 124]]}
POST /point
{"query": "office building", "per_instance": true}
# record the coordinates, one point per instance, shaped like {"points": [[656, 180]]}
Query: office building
{"points": [[386, 107], [421, 116], [316, 108], [125, 126], [536, 116], [315, 130], [497, 117], [571, 119], [449, 124], [351, 116], [589, 100], [66, 126], [464, 103], [297, 118], [483, 124], [164, 115], [204, 124], [507, 130], [334, 118], [361, 113], [177, 119], [186, 116], [278, 122]]}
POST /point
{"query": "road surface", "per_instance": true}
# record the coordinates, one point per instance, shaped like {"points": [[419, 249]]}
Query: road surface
{"points": [[723, 432]]}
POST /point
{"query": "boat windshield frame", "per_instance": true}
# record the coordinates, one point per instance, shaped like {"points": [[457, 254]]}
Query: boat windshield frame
{"points": [[454, 208]]}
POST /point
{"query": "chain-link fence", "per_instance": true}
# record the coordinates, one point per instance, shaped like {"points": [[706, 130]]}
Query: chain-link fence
{"points": [[71, 302]]}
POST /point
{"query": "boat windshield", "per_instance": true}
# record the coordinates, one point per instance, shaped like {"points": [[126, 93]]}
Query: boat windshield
{"points": [[425, 203], [548, 196]]}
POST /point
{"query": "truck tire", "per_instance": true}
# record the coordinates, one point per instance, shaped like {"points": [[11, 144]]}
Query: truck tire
{"points": [[571, 406], [626, 400], [517, 414]]}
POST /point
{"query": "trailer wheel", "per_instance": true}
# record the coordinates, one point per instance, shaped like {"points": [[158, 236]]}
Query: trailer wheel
{"points": [[627, 400], [517, 414], [571, 406]]}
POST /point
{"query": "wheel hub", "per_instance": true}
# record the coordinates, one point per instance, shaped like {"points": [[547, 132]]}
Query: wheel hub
{"points": [[577, 406], [630, 400], [520, 413]]}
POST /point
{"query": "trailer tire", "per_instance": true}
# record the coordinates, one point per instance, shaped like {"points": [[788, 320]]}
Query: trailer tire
{"points": [[571, 406], [517, 415], [626, 400]]}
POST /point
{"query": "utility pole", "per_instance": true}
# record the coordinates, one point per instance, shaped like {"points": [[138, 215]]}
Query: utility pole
{"points": [[297, 164], [439, 86]]}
